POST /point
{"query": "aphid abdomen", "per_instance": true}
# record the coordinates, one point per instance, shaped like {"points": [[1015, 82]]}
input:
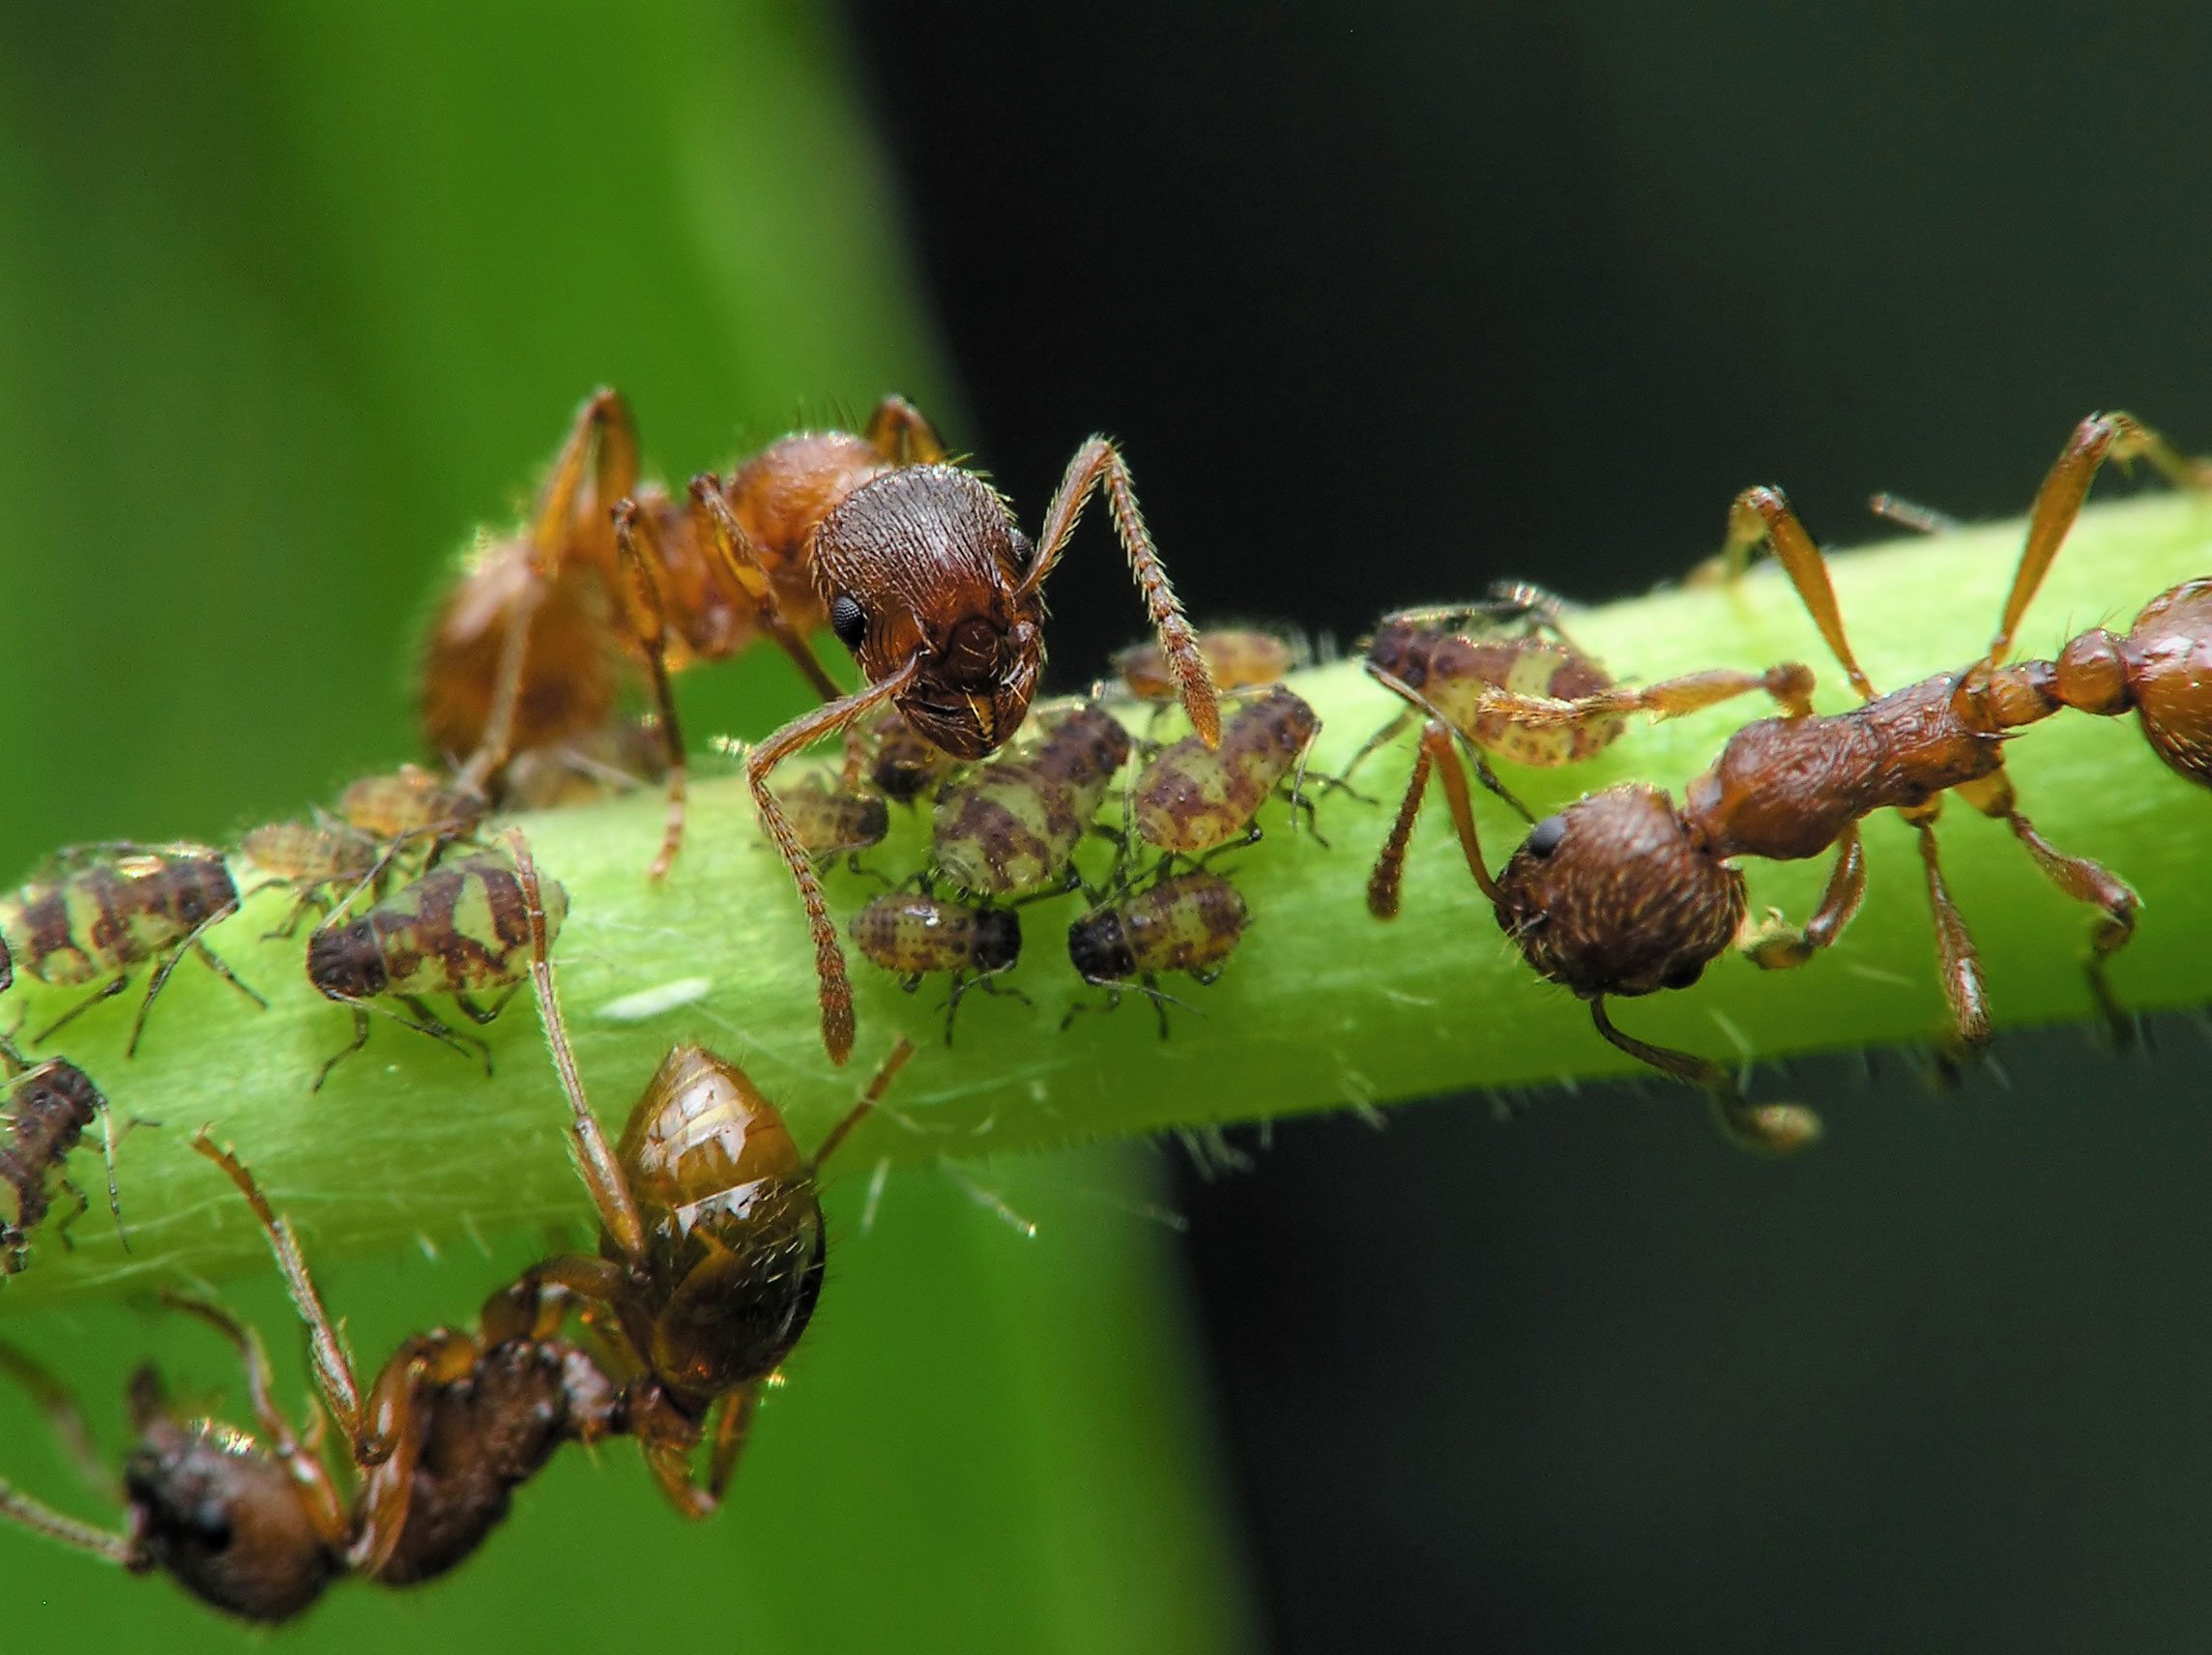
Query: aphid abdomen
{"points": [[41, 924], [830, 820], [461, 927], [912, 933], [1188, 923], [1007, 830], [1190, 798], [48, 1110]]}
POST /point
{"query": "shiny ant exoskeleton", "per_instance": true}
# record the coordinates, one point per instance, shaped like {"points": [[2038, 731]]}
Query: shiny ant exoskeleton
{"points": [[97, 911], [458, 931], [713, 1245], [256, 1526], [1621, 893]]}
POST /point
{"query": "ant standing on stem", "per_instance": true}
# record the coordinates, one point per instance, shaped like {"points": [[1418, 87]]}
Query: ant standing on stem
{"points": [[1621, 893]]}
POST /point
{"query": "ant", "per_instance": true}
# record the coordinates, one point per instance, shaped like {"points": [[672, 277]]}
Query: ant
{"points": [[456, 931], [95, 911], [713, 1246], [1621, 893], [257, 1528]]}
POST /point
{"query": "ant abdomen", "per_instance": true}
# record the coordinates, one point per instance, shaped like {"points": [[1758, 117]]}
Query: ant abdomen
{"points": [[1565, 902], [2170, 661]]}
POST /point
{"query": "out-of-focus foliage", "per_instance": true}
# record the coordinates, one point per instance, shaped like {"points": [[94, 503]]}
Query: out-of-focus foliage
{"points": [[289, 298]]}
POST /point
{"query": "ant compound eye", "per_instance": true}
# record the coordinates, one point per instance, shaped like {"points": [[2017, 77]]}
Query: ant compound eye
{"points": [[848, 620], [1544, 838]]}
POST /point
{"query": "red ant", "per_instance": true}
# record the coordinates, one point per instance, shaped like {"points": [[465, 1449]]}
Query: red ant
{"points": [[1621, 893], [257, 1528]]}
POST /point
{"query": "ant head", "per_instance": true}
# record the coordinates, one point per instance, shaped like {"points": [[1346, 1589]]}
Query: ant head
{"points": [[218, 1512], [925, 565], [733, 1231], [2169, 654], [1612, 896]]}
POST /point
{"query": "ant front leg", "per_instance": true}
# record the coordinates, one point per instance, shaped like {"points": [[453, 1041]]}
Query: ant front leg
{"points": [[647, 618], [1770, 1129], [836, 986], [1098, 461], [731, 1432], [399, 1414], [1779, 947], [1957, 959], [2081, 879]]}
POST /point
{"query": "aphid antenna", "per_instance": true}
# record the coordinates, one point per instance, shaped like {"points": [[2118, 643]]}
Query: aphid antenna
{"points": [[990, 1201], [1474, 755]]}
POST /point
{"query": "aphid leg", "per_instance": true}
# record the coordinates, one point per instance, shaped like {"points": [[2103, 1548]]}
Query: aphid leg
{"points": [[742, 560], [359, 1039], [64, 1417], [1423, 703], [1911, 514], [108, 1138], [836, 988], [1097, 460], [647, 613], [898, 430], [731, 1431], [964, 981], [1381, 737], [2081, 879], [1957, 959], [1777, 945], [1770, 1129], [870, 1096], [81, 1204], [2099, 437], [192, 944], [483, 1016], [424, 1021], [1766, 514], [596, 1162], [327, 1352], [326, 1511], [603, 434], [107, 992]]}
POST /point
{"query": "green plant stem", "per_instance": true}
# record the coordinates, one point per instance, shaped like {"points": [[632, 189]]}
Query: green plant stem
{"points": [[1323, 1007]]}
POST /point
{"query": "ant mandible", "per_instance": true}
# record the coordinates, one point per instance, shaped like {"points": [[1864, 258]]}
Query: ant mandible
{"points": [[1621, 893]]}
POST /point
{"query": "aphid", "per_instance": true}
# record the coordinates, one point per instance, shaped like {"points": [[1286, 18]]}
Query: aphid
{"points": [[618, 758], [1621, 893], [1187, 923], [926, 580], [1192, 798], [1011, 827], [46, 1108], [257, 1526], [1238, 658], [893, 758], [1475, 665], [315, 861], [458, 931], [914, 934], [832, 820], [713, 1246], [99, 910], [412, 805]]}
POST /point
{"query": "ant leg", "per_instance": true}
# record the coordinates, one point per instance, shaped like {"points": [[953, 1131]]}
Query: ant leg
{"points": [[399, 1415], [327, 1353], [648, 619], [902, 434], [1790, 686], [1767, 514], [1770, 1129], [160, 980], [1437, 750], [596, 1162], [1386, 880], [836, 988], [730, 1434], [2099, 437], [64, 1416], [41, 1519], [2081, 879], [1097, 460], [1779, 947], [743, 562], [873, 1094], [1960, 965]]}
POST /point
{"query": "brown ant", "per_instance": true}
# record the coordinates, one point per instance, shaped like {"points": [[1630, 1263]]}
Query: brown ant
{"points": [[1621, 893], [713, 1246], [456, 931], [97, 911], [257, 1528]]}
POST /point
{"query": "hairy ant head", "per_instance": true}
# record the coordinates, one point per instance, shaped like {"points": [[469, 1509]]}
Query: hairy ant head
{"points": [[2170, 661], [924, 565], [221, 1515], [1612, 896]]}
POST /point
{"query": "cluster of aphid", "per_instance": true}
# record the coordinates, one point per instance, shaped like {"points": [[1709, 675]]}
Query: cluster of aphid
{"points": [[711, 1245]]}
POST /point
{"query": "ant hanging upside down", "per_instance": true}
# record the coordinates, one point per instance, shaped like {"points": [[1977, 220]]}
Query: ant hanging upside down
{"points": [[1624, 893]]}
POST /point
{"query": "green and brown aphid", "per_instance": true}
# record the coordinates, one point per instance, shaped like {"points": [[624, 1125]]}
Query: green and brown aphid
{"points": [[95, 912], [1189, 923], [459, 931], [1192, 798], [894, 758], [833, 819], [1238, 658], [914, 934], [320, 862], [412, 805], [44, 1110], [1012, 826]]}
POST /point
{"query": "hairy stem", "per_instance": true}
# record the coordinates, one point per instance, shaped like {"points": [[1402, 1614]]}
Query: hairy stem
{"points": [[1322, 1008]]}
